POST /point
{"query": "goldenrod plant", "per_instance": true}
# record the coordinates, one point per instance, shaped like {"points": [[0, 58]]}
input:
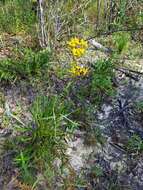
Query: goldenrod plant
{"points": [[78, 49], [77, 70], [77, 46]]}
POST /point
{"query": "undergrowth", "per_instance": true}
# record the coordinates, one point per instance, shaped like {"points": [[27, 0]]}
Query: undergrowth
{"points": [[17, 17], [39, 143], [25, 64]]}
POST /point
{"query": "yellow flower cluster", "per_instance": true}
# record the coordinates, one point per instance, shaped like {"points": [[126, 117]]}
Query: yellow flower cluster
{"points": [[78, 52], [77, 46], [77, 70]]}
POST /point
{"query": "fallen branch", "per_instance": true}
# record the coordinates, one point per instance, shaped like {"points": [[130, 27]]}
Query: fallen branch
{"points": [[101, 32], [129, 74], [99, 46], [123, 69], [117, 146]]}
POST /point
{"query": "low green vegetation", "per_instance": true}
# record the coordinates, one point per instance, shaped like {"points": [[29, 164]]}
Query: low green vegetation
{"points": [[40, 142], [26, 63], [17, 17], [102, 77], [135, 144], [121, 41], [139, 106]]}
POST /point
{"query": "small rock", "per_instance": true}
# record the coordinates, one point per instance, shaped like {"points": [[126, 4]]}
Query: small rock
{"points": [[57, 163], [1, 111], [66, 173]]}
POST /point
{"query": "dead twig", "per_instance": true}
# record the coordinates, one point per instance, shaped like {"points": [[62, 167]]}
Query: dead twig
{"points": [[117, 146], [131, 74], [123, 69], [106, 33]]}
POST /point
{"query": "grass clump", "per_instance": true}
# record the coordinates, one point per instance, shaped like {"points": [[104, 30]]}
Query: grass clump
{"points": [[102, 79], [139, 106], [25, 64], [43, 139], [135, 144], [121, 41]]}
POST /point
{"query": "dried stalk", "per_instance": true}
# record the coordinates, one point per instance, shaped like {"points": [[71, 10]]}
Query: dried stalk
{"points": [[43, 40], [98, 14]]}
